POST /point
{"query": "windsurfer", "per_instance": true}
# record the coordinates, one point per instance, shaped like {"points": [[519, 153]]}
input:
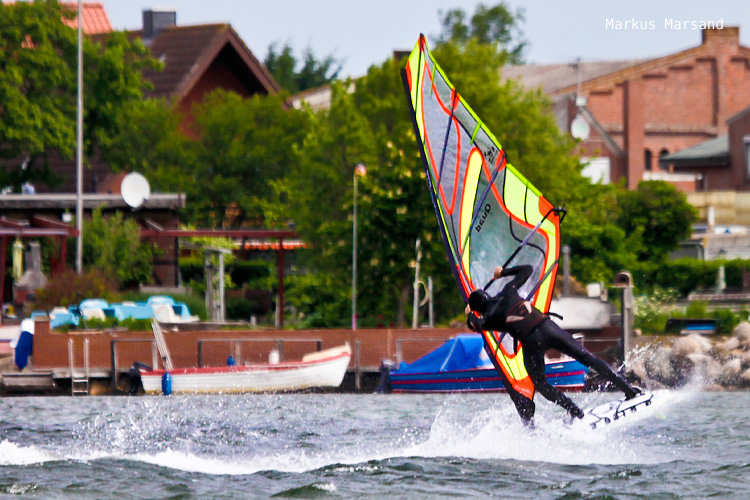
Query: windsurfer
{"points": [[508, 312]]}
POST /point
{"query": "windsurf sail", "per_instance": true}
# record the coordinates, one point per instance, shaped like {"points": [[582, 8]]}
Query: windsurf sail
{"points": [[488, 213]]}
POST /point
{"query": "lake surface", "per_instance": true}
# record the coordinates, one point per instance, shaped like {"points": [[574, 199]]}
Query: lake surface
{"points": [[692, 445]]}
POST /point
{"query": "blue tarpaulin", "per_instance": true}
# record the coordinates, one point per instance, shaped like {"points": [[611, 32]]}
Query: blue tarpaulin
{"points": [[463, 352]]}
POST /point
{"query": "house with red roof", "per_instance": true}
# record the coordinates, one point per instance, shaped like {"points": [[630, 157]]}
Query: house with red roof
{"points": [[197, 60], [95, 19]]}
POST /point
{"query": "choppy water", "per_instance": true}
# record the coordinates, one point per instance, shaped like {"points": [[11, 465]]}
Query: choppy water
{"points": [[694, 445]]}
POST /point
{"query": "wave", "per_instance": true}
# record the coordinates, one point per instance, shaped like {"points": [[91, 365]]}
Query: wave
{"points": [[14, 454], [491, 431]]}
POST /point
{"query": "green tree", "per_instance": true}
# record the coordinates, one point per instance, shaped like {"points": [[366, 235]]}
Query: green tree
{"points": [[497, 26], [294, 78], [373, 127], [242, 145], [317, 194], [599, 247], [38, 88], [396, 207], [150, 141], [113, 245], [660, 213]]}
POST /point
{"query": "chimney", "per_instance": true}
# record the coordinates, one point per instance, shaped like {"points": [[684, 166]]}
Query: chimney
{"points": [[155, 20], [718, 32]]}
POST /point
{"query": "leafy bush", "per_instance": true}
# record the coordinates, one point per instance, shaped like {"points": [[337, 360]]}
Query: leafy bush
{"points": [[113, 245], [320, 299], [69, 288], [688, 275], [191, 269], [697, 309], [133, 325], [727, 319], [241, 309], [652, 311], [257, 274]]}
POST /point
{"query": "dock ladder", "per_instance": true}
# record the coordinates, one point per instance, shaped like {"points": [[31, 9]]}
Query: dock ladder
{"points": [[79, 383], [161, 345]]}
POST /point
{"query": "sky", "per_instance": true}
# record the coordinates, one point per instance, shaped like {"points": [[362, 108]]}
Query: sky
{"points": [[361, 33]]}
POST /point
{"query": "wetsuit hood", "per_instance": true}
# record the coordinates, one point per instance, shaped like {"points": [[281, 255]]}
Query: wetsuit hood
{"points": [[479, 301]]}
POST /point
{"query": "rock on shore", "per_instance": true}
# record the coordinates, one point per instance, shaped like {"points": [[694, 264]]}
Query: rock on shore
{"points": [[721, 363]]}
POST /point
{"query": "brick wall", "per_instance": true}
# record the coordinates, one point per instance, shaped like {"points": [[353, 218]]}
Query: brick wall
{"points": [[739, 128], [672, 103], [51, 348]]}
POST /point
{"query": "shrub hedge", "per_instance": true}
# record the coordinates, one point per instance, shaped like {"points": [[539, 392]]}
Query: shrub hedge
{"points": [[688, 275]]}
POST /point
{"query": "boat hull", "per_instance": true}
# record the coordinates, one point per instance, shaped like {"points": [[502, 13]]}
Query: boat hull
{"points": [[566, 375], [321, 371]]}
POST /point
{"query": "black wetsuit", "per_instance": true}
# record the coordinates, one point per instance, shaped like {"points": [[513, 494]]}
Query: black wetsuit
{"points": [[509, 312]]}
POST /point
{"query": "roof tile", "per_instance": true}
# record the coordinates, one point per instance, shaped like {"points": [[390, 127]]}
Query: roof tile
{"points": [[95, 18]]}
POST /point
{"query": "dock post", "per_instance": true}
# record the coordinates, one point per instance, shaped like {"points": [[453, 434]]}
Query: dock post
{"points": [[113, 357], [357, 368]]}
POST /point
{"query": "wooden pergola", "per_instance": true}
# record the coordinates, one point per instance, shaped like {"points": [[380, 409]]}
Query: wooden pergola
{"points": [[155, 231]]}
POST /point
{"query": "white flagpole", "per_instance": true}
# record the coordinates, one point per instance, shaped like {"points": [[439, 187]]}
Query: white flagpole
{"points": [[79, 148]]}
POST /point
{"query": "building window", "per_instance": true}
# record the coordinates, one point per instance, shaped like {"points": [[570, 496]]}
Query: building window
{"points": [[647, 160], [664, 152], [746, 141]]}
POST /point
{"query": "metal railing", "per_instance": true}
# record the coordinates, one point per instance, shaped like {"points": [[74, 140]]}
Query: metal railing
{"points": [[79, 384]]}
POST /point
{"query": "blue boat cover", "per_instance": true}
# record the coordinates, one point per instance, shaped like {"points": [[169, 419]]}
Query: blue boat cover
{"points": [[463, 352], [25, 344]]}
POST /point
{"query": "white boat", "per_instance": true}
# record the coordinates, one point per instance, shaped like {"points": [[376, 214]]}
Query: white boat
{"points": [[318, 369]]}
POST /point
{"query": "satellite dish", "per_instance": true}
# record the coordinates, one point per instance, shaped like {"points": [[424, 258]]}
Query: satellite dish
{"points": [[135, 189], [579, 128]]}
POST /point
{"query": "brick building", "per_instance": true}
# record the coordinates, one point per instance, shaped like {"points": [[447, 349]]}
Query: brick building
{"points": [[642, 110]]}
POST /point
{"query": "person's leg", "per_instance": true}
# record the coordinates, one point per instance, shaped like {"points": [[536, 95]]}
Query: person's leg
{"points": [[524, 406], [533, 357], [559, 339]]}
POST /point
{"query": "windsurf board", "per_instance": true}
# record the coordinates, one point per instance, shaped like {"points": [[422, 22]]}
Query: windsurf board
{"points": [[607, 413]]}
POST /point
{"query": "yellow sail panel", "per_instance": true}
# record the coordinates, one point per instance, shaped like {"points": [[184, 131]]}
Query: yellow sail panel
{"points": [[531, 209], [511, 365], [514, 194], [415, 69], [473, 172]]}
